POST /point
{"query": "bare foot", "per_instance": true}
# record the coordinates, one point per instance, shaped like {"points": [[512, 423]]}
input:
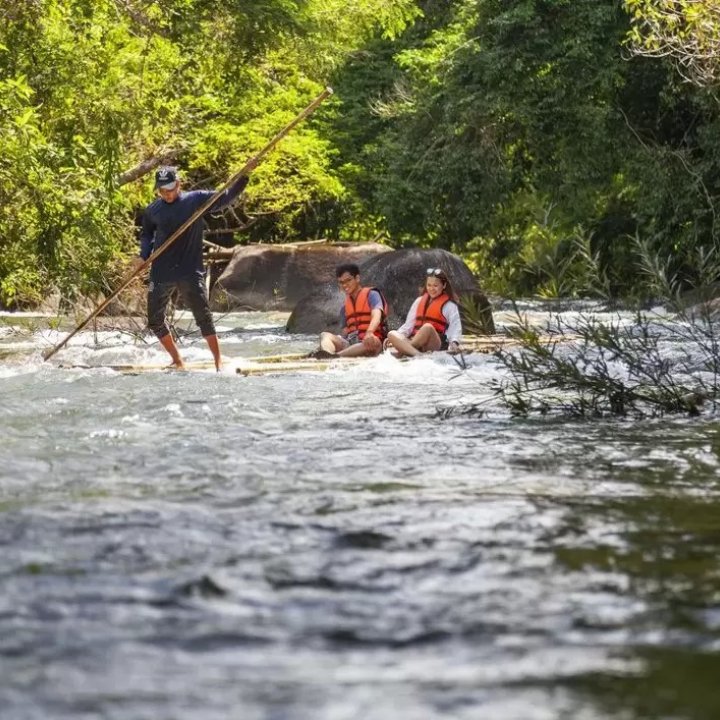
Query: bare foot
{"points": [[321, 354], [180, 366]]}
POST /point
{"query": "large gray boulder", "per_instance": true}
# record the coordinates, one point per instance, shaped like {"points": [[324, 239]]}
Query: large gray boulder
{"points": [[400, 274], [276, 277]]}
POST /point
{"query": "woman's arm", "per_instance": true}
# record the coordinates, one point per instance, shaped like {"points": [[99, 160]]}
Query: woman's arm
{"points": [[407, 327], [452, 315]]}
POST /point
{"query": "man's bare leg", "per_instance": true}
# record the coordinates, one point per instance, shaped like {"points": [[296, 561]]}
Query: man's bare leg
{"points": [[214, 345], [169, 344], [332, 343], [370, 346]]}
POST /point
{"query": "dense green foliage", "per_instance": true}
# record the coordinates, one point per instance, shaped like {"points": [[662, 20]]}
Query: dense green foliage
{"points": [[528, 137], [533, 137]]}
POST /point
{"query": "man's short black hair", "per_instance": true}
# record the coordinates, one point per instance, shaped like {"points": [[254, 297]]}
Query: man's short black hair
{"points": [[351, 268]]}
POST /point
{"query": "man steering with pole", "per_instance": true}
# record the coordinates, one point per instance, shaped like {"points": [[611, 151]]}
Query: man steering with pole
{"points": [[181, 267], [205, 205]]}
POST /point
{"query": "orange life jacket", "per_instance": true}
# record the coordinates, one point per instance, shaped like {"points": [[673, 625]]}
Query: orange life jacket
{"points": [[430, 311], [358, 314]]}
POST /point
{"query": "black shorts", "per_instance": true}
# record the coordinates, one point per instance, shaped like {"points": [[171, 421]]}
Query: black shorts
{"points": [[192, 292]]}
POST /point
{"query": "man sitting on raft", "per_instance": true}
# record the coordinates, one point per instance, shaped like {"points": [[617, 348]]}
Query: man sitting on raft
{"points": [[433, 321], [363, 318]]}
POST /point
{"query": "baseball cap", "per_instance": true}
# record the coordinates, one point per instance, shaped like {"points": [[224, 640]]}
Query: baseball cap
{"points": [[166, 177]]}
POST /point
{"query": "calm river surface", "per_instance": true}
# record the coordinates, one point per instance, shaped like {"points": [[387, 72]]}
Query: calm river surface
{"points": [[329, 546]]}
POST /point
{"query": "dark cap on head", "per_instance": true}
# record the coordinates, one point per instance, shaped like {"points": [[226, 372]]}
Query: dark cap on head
{"points": [[166, 177]]}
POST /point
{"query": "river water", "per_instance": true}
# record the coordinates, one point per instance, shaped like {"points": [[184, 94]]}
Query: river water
{"points": [[336, 546]]}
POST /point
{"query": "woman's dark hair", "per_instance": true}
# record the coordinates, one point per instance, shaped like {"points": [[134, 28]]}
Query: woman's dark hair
{"points": [[351, 268], [441, 275]]}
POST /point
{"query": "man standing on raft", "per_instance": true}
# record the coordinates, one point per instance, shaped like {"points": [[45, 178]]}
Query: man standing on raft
{"points": [[181, 266]]}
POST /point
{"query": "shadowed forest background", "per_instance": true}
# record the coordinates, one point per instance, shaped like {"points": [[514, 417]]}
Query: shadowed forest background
{"points": [[559, 146]]}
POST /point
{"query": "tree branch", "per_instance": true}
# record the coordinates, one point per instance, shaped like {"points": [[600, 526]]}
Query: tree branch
{"points": [[144, 167]]}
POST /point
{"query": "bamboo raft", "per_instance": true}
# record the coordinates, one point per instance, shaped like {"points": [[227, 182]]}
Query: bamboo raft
{"points": [[282, 366], [491, 343], [300, 362], [261, 365]]}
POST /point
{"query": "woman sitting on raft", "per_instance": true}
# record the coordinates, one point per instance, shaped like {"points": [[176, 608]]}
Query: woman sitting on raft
{"points": [[433, 321]]}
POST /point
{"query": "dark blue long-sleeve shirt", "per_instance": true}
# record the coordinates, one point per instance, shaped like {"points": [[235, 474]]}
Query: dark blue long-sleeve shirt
{"points": [[183, 259]]}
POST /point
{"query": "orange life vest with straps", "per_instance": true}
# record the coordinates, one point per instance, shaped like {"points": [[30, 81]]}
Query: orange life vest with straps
{"points": [[430, 311], [358, 314]]}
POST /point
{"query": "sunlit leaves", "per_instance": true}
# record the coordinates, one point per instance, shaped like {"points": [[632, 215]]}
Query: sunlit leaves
{"points": [[688, 31]]}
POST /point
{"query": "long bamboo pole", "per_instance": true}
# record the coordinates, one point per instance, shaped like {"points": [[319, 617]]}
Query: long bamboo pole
{"points": [[197, 214]]}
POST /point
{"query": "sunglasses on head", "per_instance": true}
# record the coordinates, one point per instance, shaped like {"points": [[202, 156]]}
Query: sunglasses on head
{"points": [[437, 272]]}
